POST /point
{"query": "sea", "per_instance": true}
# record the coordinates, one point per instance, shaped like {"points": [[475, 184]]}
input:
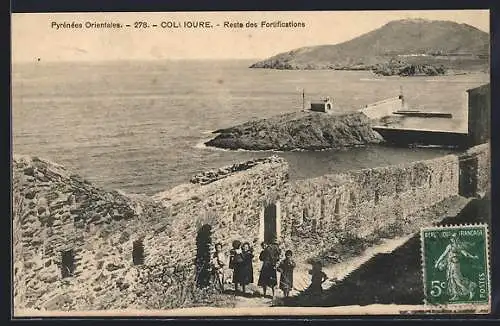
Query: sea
{"points": [[139, 126]]}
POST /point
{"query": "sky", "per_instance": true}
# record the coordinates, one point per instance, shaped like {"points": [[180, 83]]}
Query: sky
{"points": [[34, 35]]}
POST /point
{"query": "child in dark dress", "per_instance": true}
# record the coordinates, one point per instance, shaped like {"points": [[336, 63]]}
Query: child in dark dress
{"points": [[235, 263], [286, 277], [269, 257], [318, 277], [246, 265]]}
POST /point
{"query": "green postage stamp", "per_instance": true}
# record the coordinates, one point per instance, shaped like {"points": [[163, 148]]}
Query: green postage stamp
{"points": [[455, 265]]}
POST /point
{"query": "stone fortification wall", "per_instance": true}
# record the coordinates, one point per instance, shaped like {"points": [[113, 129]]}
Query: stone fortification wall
{"points": [[230, 206], [475, 171], [56, 212], [383, 108], [311, 213], [17, 250], [207, 177], [321, 211], [381, 195], [314, 214]]}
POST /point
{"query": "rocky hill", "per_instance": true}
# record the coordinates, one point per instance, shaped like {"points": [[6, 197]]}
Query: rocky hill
{"points": [[298, 130], [415, 41]]}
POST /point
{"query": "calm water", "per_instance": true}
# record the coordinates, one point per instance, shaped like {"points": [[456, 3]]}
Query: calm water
{"points": [[138, 126]]}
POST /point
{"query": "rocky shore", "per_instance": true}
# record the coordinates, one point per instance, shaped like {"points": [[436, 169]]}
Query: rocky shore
{"points": [[299, 131], [387, 68], [402, 68]]}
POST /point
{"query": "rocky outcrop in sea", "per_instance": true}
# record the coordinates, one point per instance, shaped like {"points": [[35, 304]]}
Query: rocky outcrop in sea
{"points": [[299, 131]]}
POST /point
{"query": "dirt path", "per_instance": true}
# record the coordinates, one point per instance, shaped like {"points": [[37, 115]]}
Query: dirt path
{"points": [[253, 302], [342, 270], [337, 271]]}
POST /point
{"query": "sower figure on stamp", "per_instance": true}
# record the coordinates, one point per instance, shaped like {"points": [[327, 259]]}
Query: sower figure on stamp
{"points": [[457, 284], [269, 256], [286, 269]]}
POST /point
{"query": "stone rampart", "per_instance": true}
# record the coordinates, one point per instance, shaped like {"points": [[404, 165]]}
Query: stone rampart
{"points": [[475, 171], [318, 212], [383, 108], [80, 247]]}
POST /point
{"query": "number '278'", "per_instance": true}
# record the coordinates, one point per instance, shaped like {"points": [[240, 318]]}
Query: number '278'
{"points": [[141, 24], [437, 288]]}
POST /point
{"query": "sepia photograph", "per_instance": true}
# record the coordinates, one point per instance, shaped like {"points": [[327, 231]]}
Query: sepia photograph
{"points": [[251, 163]]}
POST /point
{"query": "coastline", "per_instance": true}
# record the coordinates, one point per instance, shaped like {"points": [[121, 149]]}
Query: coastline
{"points": [[450, 72]]}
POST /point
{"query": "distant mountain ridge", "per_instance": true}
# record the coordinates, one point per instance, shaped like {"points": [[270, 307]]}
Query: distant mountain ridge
{"points": [[415, 41]]}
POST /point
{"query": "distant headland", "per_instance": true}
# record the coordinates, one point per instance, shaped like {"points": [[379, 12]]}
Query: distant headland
{"points": [[405, 47]]}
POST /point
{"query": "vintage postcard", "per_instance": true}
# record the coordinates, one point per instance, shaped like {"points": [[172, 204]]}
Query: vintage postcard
{"points": [[251, 163]]}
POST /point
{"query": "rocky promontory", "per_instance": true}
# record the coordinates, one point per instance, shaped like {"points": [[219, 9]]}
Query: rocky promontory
{"points": [[419, 42], [299, 131]]}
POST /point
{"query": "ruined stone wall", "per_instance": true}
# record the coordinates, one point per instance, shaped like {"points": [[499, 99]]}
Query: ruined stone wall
{"points": [[58, 211], [381, 195], [319, 212], [231, 207], [311, 212], [61, 212], [479, 114], [55, 211], [475, 171], [17, 249], [383, 108]]}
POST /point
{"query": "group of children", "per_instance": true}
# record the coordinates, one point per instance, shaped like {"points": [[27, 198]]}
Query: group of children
{"points": [[240, 262]]}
